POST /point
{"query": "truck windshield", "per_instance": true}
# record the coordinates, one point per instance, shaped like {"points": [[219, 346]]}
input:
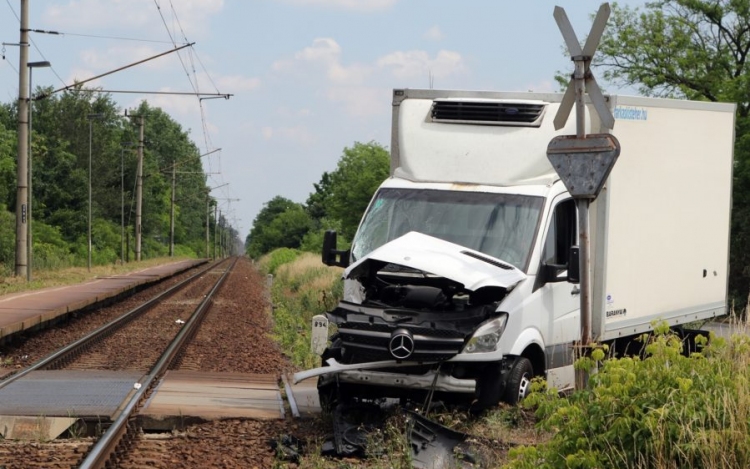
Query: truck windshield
{"points": [[500, 225]]}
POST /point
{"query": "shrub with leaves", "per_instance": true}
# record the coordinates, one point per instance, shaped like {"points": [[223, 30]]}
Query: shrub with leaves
{"points": [[664, 411]]}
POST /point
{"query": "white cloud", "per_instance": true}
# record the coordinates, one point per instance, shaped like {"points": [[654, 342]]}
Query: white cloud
{"points": [[362, 101], [267, 132], [364, 88], [434, 33], [356, 5], [236, 83], [418, 63], [115, 57], [136, 14], [325, 53], [185, 106]]}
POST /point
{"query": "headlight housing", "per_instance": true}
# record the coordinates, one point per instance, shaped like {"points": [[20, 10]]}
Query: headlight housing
{"points": [[487, 336]]}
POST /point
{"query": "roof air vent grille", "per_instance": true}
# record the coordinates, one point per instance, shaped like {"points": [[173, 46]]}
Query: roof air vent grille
{"points": [[488, 112]]}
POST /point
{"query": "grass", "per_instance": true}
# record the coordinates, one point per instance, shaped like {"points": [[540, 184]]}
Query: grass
{"points": [[73, 275]]}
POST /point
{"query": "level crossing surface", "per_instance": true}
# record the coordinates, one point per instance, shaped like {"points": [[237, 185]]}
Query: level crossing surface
{"points": [[32, 309]]}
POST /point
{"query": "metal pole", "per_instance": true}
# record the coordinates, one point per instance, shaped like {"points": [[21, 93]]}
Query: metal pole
{"points": [[583, 224], [29, 235], [580, 84], [91, 133], [122, 206], [139, 192], [208, 212], [585, 286], [171, 212], [23, 142], [216, 227]]}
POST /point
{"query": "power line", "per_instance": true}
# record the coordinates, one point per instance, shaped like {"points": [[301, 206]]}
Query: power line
{"points": [[33, 43], [169, 33], [116, 38], [13, 10]]}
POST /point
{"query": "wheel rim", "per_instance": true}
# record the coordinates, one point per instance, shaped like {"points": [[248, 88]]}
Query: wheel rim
{"points": [[523, 386]]}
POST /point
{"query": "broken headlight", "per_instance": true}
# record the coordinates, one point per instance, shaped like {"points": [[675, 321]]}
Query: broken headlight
{"points": [[487, 336]]}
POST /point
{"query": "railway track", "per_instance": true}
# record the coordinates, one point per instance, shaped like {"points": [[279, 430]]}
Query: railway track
{"points": [[151, 324]]}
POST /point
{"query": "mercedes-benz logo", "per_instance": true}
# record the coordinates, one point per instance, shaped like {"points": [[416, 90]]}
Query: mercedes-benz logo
{"points": [[401, 344]]}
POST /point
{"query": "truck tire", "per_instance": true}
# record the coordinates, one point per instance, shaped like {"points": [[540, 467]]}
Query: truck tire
{"points": [[518, 382]]}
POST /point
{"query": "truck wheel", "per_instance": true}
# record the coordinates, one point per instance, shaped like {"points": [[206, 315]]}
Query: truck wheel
{"points": [[519, 381]]}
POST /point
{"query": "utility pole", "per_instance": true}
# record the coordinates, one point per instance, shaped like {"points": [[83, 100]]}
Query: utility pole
{"points": [[216, 226], [208, 212], [171, 215], [22, 192], [139, 191]]}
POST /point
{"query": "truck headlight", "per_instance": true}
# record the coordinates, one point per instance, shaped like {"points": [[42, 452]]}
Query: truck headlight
{"points": [[487, 336]]}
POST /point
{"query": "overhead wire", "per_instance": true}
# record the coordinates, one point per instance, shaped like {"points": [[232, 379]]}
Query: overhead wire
{"points": [[117, 38], [169, 33], [33, 43]]}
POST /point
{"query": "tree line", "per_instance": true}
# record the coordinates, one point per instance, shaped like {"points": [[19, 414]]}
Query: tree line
{"points": [[67, 128]]}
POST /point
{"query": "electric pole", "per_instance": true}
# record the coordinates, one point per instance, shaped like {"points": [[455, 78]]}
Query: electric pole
{"points": [[22, 192], [139, 191], [171, 214]]}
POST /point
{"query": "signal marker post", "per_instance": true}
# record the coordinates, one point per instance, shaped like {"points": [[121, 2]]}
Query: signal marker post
{"points": [[582, 161]]}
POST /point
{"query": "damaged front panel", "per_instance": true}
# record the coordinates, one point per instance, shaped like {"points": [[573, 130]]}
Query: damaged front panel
{"points": [[419, 302]]}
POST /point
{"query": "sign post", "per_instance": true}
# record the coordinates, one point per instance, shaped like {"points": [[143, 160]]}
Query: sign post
{"points": [[582, 161]]}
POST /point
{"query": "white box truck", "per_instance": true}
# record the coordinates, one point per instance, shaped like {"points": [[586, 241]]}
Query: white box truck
{"points": [[457, 280]]}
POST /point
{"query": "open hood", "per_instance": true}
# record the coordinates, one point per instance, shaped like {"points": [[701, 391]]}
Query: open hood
{"points": [[472, 269]]}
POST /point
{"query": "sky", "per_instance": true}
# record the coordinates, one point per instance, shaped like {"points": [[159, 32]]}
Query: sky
{"points": [[307, 77]]}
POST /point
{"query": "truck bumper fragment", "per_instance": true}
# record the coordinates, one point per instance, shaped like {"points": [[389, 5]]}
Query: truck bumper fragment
{"points": [[335, 367]]}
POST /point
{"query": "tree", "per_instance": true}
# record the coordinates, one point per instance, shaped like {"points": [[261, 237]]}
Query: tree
{"points": [[695, 49], [281, 223], [360, 171]]}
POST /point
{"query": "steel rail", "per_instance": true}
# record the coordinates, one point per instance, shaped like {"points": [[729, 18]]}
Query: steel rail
{"points": [[106, 445], [69, 351]]}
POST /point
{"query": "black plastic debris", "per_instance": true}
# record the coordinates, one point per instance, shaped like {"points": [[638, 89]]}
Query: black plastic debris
{"points": [[435, 446], [352, 426], [288, 448]]}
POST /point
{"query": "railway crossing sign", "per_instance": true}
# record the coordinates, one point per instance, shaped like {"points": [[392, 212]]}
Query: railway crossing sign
{"points": [[583, 162], [582, 76]]}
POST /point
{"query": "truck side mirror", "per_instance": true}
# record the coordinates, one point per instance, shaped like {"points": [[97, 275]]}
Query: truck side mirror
{"points": [[331, 255], [574, 265]]}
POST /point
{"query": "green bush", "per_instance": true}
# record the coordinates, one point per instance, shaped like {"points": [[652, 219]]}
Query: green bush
{"points": [[664, 411], [279, 257]]}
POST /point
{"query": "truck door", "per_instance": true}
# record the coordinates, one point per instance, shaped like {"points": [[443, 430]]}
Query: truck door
{"points": [[560, 299]]}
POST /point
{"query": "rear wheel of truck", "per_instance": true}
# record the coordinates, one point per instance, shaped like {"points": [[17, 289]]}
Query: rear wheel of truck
{"points": [[518, 383]]}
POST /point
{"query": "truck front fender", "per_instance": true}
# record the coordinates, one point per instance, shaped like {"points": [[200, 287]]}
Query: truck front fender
{"points": [[526, 338]]}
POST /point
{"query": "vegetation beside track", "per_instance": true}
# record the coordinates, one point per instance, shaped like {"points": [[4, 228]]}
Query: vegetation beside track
{"points": [[662, 411], [71, 275]]}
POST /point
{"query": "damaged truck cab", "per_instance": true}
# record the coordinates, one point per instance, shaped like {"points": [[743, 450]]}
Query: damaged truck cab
{"points": [[462, 279]]}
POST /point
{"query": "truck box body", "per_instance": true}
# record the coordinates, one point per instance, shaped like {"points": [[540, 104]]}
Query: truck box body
{"points": [[660, 229], [462, 256]]}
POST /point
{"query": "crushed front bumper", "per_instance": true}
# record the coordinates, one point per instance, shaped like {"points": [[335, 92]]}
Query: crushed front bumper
{"points": [[365, 374]]}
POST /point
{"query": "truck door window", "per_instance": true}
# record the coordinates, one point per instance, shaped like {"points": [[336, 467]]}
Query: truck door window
{"points": [[562, 233]]}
